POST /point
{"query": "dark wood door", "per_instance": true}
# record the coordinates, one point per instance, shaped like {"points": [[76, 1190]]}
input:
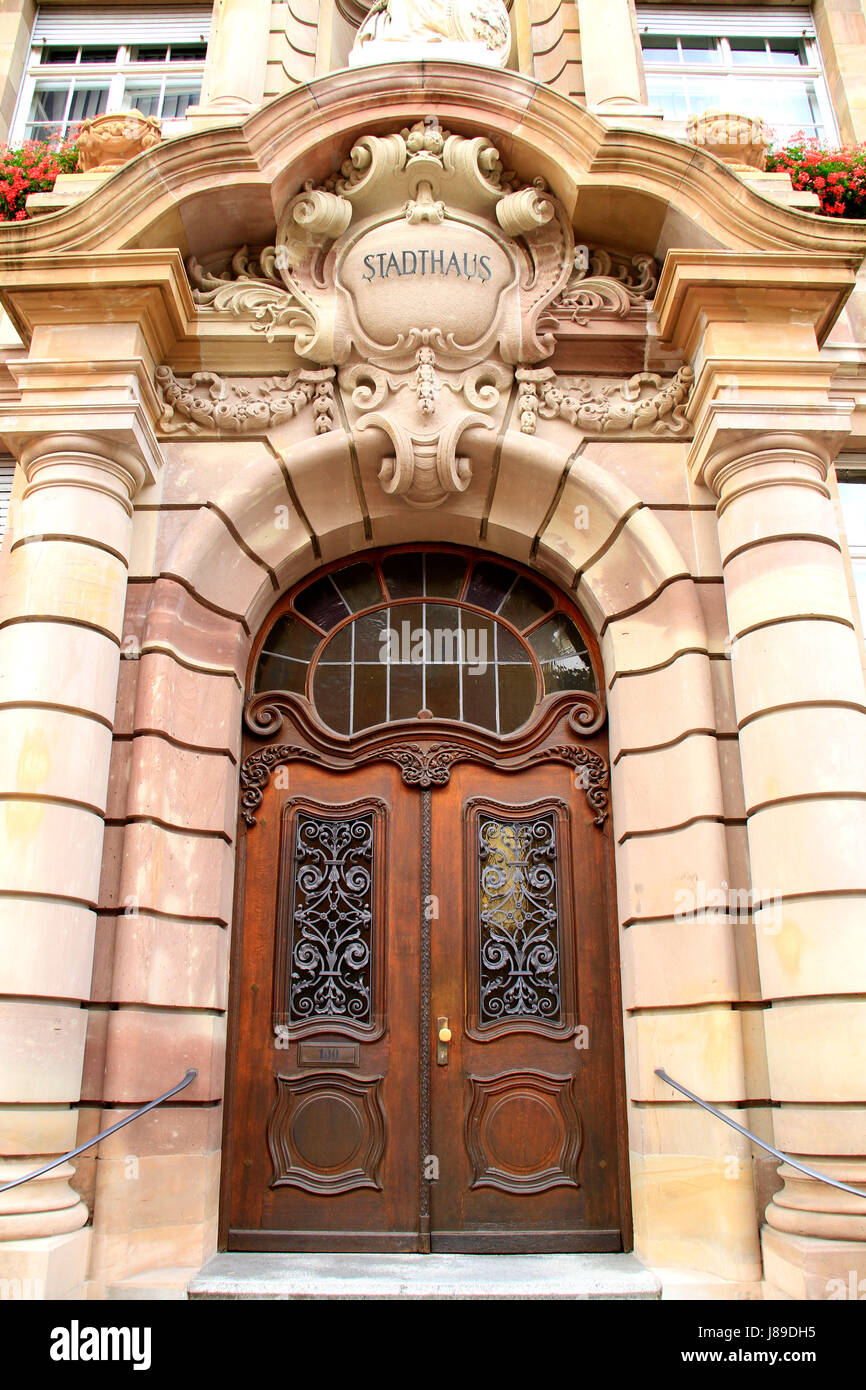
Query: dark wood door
{"points": [[374, 911], [524, 1114], [325, 1152]]}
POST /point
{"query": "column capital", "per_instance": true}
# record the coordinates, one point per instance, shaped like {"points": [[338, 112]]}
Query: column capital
{"points": [[784, 444], [50, 440]]}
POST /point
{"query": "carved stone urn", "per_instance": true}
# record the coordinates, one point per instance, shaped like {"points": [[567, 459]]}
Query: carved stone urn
{"points": [[741, 141], [107, 141]]}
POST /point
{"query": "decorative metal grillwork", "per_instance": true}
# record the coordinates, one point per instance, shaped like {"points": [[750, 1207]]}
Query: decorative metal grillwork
{"points": [[519, 920], [332, 919]]}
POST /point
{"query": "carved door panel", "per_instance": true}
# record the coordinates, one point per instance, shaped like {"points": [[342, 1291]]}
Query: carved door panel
{"points": [[524, 1117], [325, 1110]]}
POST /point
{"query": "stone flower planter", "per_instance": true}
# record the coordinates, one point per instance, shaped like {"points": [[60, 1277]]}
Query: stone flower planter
{"points": [[106, 142], [738, 140]]}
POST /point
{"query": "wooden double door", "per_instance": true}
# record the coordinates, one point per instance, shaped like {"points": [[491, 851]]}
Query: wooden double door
{"points": [[425, 1037]]}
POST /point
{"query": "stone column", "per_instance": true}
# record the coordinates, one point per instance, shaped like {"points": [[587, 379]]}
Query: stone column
{"points": [[237, 60], [610, 55], [766, 434], [63, 590]]}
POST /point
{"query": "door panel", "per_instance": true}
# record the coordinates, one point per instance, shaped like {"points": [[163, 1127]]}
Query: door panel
{"points": [[325, 1113], [375, 910], [524, 1116]]}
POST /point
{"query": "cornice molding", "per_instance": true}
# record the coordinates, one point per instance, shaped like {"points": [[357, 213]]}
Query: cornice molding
{"points": [[275, 149]]}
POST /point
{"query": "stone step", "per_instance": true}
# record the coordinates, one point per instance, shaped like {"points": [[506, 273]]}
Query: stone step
{"points": [[239, 1275]]}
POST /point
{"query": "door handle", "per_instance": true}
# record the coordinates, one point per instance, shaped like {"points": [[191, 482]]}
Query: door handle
{"points": [[443, 1038]]}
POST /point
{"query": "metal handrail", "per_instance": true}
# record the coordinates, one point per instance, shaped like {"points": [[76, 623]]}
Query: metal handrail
{"points": [[73, 1153], [777, 1153]]}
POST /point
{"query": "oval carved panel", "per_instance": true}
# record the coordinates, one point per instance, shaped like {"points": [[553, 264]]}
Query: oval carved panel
{"points": [[523, 1131], [326, 1132]]}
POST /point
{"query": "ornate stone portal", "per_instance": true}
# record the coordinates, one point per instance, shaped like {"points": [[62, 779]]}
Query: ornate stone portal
{"points": [[431, 282]]}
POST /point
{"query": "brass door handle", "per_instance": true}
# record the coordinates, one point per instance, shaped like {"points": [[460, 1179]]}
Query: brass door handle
{"points": [[443, 1038]]}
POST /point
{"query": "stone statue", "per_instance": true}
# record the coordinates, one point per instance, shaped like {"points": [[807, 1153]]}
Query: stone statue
{"points": [[472, 31]]}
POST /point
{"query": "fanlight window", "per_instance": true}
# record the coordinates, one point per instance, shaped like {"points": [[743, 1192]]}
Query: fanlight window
{"points": [[419, 635]]}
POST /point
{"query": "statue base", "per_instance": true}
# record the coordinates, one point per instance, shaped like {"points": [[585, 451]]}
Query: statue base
{"points": [[415, 50]]}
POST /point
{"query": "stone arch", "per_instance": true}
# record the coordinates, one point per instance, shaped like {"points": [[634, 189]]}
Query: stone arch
{"points": [[226, 569]]}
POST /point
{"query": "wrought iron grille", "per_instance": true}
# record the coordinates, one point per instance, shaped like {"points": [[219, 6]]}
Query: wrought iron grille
{"points": [[519, 920], [332, 919]]}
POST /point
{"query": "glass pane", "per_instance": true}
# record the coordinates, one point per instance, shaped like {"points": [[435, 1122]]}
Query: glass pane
{"points": [[443, 691], [368, 696], [787, 53], [525, 604], [479, 696], [788, 106], [150, 53], [518, 919], [331, 687], [285, 656], [48, 106], [99, 54], [406, 691], [659, 48], [489, 585], [510, 649], [359, 586], [176, 101], [748, 50], [404, 575], [444, 575], [87, 102], [446, 633], [339, 647], [518, 693], [290, 638], [143, 97], [853, 499], [670, 94], [859, 568], [322, 604], [698, 49], [371, 637], [59, 53], [563, 654], [188, 52]]}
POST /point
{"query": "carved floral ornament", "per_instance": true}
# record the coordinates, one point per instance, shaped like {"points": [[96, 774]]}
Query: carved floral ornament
{"points": [[424, 281]]}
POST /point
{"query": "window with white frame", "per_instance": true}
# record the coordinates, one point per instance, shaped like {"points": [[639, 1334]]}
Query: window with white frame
{"points": [[87, 62], [758, 62], [852, 496]]}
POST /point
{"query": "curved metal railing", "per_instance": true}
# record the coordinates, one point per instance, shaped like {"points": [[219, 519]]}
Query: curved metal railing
{"points": [[73, 1153], [777, 1153]]}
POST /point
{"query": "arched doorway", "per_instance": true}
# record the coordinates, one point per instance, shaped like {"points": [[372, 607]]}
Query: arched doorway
{"points": [[425, 1036]]}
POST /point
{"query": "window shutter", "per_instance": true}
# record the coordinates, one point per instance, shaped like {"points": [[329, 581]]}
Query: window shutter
{"points": [[124, 24], [761, 21]]}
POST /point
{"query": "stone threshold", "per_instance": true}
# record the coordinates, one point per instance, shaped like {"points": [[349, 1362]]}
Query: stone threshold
{"points": [[236, 1275]]}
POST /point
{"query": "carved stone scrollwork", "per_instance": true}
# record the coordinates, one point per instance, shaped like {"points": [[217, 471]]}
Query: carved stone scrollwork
{"points": [[252, 287], [644, 402], [606, 285], [208, 402], [424, 469]]}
